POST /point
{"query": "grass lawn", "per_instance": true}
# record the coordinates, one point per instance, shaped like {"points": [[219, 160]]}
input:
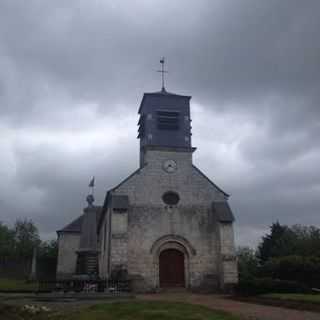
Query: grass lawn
{"points": [[16, 285], [133, 310], [313, 298]]}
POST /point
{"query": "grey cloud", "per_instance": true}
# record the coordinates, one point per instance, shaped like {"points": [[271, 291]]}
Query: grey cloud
{"points": [[222, 51], [248, 64]]}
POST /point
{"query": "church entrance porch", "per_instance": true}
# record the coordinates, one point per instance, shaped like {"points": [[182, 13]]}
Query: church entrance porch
{"points": [[171, 268]]}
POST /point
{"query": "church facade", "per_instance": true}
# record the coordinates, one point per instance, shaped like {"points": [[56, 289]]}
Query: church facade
{"points": [[167, 224]]}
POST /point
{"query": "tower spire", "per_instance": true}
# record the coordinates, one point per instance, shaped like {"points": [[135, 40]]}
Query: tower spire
{"points": [[162, 71]]}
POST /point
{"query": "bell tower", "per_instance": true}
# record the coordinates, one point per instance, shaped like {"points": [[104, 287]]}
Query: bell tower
{"points": [[164, 121]]}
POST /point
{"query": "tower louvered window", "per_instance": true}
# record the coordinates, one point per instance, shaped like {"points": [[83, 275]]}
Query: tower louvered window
{"points": [[141, 124], [168, 120]]}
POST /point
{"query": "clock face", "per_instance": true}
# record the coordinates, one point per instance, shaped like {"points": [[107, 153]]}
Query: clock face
{"points": [[170, 166]]}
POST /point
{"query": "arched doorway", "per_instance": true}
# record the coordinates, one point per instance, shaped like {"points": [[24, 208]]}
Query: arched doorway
{"points": [[171, 268]]}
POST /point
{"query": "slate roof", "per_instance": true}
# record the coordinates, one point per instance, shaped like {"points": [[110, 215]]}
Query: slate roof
{"points": [[162, 93], [196, 168], [126, 179], [75, 225], [119, 201], [223, 211]]}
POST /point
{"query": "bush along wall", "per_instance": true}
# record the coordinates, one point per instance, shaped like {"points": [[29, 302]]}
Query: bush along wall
{"points": [[257, 286], [305, 270]]}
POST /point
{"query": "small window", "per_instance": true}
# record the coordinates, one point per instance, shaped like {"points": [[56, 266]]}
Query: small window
{"points": [[168, 120], [141, 124], [171, 198]]}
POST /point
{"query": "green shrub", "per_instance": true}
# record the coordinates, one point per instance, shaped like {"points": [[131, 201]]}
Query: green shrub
{"points": [[294, 268], [248, 264], [267, 285]]}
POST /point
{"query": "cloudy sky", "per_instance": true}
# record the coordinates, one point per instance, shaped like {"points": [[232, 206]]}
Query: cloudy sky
{"points": [[72, 74]]}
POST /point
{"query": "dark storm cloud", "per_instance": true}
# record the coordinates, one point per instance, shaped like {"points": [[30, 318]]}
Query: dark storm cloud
{"points": [[72, 75]]}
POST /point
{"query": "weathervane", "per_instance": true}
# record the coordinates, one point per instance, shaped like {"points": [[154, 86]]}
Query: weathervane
{"points": [[162, 61]]}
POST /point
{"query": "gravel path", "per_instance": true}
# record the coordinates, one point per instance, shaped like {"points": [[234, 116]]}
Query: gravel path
{"points": [[245, 310]]}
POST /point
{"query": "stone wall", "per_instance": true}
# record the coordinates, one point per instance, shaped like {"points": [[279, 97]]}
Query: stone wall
{"points": [[192, 219], [104, 241], [68, 244], [149, 224], [148, 185], [228, 262]]}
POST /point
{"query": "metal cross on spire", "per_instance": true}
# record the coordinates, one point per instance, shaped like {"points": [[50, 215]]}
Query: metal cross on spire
{"points": [[162, 61]]}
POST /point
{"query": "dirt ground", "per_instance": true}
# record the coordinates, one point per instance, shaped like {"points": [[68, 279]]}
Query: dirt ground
{"points": [[243, 309], [246, 310]]}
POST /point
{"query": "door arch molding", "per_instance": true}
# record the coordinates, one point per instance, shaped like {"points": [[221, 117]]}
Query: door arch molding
{"points": [[172, 242], [183, 242]]}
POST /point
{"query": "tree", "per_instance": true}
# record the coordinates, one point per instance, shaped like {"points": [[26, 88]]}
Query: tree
{"points": [[26, 238], [247, 263], [287, 241], [48, 249], [7, 242], [302, 269], [281, 241], [47, 259], [307, 240]]}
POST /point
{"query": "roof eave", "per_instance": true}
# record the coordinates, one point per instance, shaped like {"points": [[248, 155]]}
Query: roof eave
{"points": [[160, 94], [211, 182]]}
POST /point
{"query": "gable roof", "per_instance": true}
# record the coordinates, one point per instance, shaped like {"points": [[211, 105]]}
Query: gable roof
{"points": [[212, 183], [76, 224], [164, 92], [161, 94], [223, 211], [126, 179]]}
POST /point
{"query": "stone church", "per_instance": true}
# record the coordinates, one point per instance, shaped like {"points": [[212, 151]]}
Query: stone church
{"points": [[165, 225]]}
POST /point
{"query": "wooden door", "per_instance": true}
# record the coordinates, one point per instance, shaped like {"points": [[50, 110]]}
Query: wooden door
{"points": [[171, 268]]}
